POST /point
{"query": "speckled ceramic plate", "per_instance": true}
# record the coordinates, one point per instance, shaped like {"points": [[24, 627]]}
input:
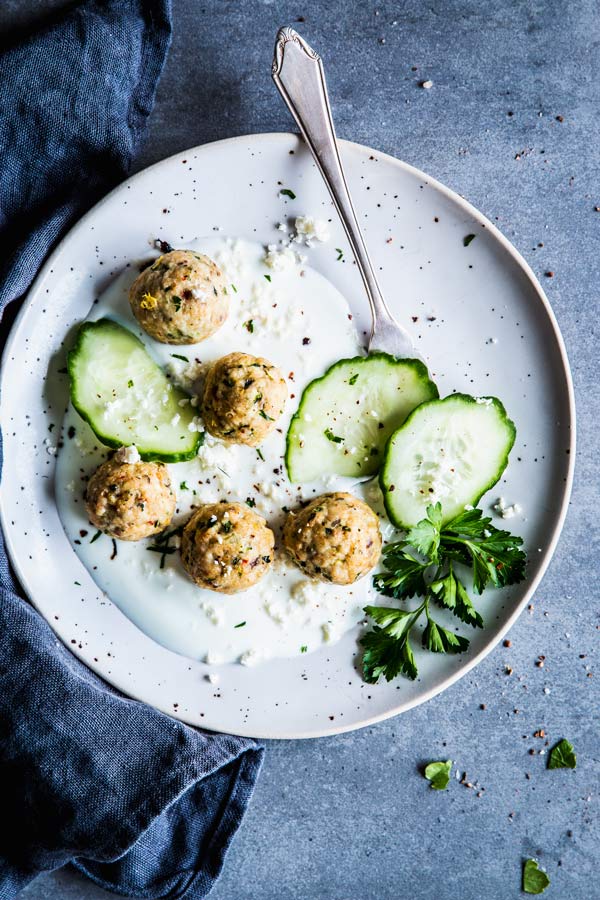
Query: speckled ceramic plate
{"points": [[478, 315]]}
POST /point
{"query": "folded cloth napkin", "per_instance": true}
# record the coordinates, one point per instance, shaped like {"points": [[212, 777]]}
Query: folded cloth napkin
{"points": [[139, 802]]}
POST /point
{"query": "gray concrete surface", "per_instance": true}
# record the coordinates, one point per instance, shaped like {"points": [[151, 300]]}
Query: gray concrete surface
{"points": [[351, 818]]}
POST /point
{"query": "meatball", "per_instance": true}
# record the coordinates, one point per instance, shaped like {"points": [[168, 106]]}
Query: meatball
{"points": [[226, 547], [130, 501], [335, 538], [181, 298], [243, 398]]}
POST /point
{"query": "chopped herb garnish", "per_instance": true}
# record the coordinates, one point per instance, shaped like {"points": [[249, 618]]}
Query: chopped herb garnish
{"points": [[263, 415], [467, 239], [340, 254], [183, 486], [332, 437], [177, 301], [180, 356], [288, 193], [259, 454], [303, 648], [249, 326], [96, 536], [562, 756], [78, 583], [239, 625], [130, 383], [423, 565], [267, 277], [535, 880], [250, 502], [234, 289], [438, 773], [353, 379], [226, 527]]}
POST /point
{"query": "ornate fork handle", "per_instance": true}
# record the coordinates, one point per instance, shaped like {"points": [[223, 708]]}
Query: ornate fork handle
{"points": [[299, 76]]}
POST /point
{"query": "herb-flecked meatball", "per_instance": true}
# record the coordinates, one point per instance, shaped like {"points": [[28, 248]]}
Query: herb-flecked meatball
{"points": [[243, 398], [334, 538], [181, 298], [130, 501], [226, 547]]}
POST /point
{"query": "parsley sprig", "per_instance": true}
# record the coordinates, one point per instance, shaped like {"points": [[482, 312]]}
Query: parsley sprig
{"points": [[428, 564]]}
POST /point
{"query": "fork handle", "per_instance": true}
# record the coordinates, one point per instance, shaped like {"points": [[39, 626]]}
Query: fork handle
{"points": [[299, 77]]}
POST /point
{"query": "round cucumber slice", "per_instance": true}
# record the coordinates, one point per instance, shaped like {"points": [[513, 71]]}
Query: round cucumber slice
{"points": [[345, 417], [451, 451], [126, 397]]}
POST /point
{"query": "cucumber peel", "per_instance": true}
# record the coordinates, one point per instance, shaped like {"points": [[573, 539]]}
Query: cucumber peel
{"points": [[126, 397], [450, 451], [345, 417]]}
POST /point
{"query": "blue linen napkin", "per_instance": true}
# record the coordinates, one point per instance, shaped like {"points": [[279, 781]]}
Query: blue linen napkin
{"points": [[139, 802]]}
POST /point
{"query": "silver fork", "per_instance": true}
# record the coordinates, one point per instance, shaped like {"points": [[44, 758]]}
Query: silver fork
{"points": [[300, 79]]}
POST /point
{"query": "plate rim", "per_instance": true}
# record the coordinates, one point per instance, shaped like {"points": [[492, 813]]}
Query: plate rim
{"points": [[523, 265]]}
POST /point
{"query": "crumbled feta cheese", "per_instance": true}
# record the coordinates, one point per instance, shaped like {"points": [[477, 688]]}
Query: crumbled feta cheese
{"points": [[251, 657], [328, 632], [213, 614], [280, 259], [212, 658], [128, 455], [214, 454], [507, 512], [308, 228], [213, 677]]}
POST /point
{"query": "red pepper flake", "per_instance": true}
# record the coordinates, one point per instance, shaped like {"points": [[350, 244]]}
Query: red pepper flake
{"points": [[549, 274], [508, 643], [560, 119], [305, 341]]}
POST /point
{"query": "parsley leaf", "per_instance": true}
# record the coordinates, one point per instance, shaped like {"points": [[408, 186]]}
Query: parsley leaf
{"points": [[425, 535], [288, 193], [438, 773], [424, 565], [494, 555], [332, 437], [562, 756], [387, 649], [405, 577], [450, 592], [535, 880], [388, 656], [439, 640], [467, 239]]}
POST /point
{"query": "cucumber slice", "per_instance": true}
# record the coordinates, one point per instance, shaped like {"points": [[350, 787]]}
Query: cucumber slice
{"points": [[451, 451], [345, 417], [126, 397]]}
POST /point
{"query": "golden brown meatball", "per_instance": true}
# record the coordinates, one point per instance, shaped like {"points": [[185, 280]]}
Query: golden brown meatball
{"points": [[181, 298], [226, 547], [335, 538], [243, 398], [130, 501]]}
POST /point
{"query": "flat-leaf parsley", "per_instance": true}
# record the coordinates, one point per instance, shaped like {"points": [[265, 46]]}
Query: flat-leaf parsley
{"points": [[424, 565], [438, 773]]}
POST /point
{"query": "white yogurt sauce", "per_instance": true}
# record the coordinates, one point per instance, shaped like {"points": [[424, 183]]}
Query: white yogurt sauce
{"points": [[301, 323]]}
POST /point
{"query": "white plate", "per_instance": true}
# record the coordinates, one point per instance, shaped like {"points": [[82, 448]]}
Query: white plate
{"points": [[479, 316]]}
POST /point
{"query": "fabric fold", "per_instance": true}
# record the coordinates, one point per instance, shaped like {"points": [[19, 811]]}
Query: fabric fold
{"points": [[141, 803]]}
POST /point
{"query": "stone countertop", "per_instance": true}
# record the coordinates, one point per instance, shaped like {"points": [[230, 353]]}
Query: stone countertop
{"points": [[511, 123]]}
